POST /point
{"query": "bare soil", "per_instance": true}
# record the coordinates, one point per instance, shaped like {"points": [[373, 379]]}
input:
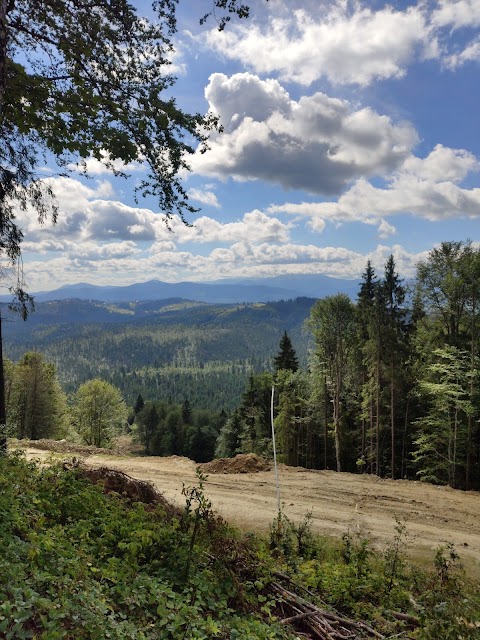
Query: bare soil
{"points": [[338, 502]]}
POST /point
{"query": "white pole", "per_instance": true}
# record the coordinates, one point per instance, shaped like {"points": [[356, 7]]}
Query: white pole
{"points": [[275, 452]]}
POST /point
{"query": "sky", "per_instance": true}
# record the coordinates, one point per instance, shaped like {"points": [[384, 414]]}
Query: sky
{"points": [[351, 131]]}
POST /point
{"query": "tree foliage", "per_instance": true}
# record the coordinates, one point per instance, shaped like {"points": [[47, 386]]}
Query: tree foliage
{"points": [[99, 412], [393, 386], [90, 79], [286, 358], [36, 405]]}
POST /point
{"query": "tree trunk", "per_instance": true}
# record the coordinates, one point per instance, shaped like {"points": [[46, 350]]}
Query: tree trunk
{"points": [[377, 429], [325, 430], [3, 52], [392, 422], [473, 351], [3, 411]]}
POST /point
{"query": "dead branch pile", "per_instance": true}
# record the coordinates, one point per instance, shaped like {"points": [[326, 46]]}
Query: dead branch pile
{"points": [[124, 485], [319, 624]]}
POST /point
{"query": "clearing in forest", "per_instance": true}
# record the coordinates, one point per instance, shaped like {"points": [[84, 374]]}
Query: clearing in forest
{"points": [[338, 502]]}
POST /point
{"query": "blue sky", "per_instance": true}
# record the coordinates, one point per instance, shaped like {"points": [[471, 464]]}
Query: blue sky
{"points": [[351, 131]]}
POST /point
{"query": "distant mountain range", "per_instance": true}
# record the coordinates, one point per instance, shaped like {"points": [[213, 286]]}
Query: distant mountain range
{"points": [[220, 291]]}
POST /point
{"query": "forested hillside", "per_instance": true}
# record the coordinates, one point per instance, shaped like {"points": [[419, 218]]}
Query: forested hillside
{"points": [[393, 386], [166, 350], [390, 383]]}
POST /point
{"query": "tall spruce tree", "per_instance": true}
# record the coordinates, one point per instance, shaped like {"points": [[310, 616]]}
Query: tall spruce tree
{"points": [[395, 350], [286, 358], [365, 317]]}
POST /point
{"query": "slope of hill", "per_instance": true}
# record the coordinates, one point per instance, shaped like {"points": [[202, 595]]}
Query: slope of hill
{"points": [[171, 349]]}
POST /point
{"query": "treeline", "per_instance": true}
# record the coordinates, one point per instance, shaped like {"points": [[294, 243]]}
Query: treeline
{"points": [[37, 407], [392, 387], [169, 429]]}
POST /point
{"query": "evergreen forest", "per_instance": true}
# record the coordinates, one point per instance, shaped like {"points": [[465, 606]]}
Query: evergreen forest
{"points": [[386, 384]]}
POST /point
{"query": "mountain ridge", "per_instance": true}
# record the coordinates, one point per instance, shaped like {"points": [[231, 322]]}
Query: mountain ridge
{"points": [[219, 291]]}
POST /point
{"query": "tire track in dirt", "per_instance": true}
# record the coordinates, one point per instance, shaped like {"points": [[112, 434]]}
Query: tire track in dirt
{"points": [[338, 502]]}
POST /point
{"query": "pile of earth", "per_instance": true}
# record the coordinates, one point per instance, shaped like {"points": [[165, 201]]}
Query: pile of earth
{"points": [[241, 463]]}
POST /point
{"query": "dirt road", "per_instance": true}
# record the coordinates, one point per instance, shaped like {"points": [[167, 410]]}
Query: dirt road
{"points": [[338, 502]]}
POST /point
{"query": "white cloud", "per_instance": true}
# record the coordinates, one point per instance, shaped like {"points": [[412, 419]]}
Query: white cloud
{"points": [[386, 229], [204, 196], [349, 42], [254, 226], [94, 167], [319, 144], [85, 219], [426, 188], [457, 14], [346, 46], [471, 53]]}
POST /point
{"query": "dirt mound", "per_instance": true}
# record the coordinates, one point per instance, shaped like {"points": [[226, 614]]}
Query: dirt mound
{"points": [[242, 463], [124, 485]]}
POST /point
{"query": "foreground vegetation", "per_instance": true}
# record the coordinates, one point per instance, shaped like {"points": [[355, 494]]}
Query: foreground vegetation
{"points": [[79, 563]]}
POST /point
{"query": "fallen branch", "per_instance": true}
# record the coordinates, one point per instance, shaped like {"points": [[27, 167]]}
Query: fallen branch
{"points": [[322, 624]]}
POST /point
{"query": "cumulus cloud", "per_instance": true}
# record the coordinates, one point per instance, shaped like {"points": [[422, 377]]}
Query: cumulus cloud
{"points": [[471, 53], [319, 144], [457, 14], [115, 220], [86, 219], [94, 167], [204, 196], [349, 43], [427, 188], [386, 229], [346, 46], [254, 226]]}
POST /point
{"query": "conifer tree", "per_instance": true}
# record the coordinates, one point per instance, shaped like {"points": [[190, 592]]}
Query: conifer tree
{"points": [[395, 352], [286, 358], [228, 441], [365, 318], [139, 404]]}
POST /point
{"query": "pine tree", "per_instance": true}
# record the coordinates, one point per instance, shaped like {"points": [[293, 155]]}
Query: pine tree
{"points": [[186, 412], [228, 441], [395, 349], [365, 315], [286, 358], [139, 404]]}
